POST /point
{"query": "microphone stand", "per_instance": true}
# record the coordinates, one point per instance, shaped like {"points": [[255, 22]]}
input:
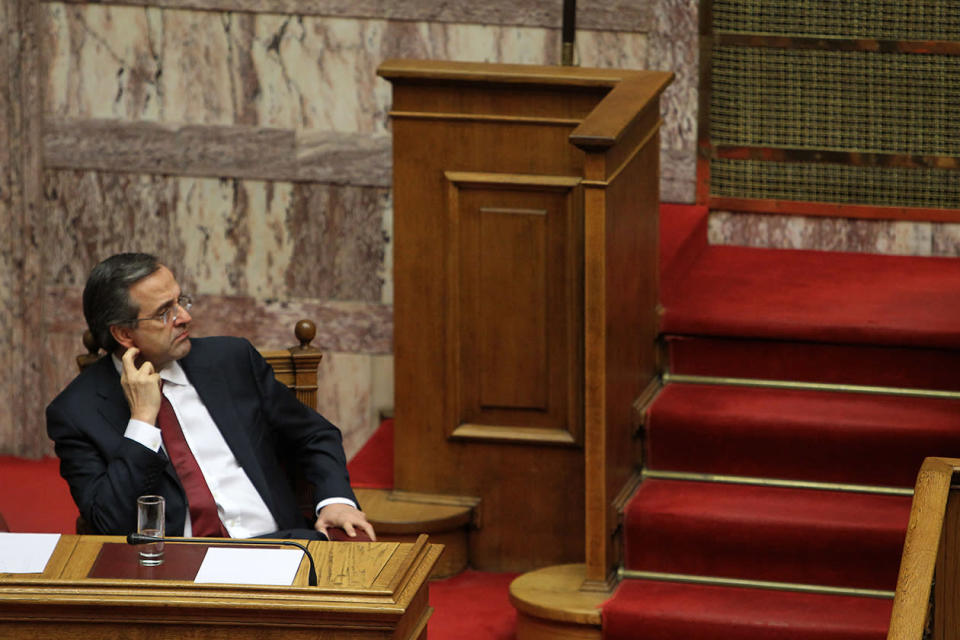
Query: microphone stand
{"points": [[142, 538], [567, 30]]}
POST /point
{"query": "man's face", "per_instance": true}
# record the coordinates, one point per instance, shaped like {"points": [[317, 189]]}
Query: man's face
{"points": [[159, 343]]}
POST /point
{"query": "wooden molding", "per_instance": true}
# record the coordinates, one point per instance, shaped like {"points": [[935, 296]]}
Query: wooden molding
{"points": [[619, 502], [617, 113], [513, 434], [484, 117], [642, 403], [419, 71]]}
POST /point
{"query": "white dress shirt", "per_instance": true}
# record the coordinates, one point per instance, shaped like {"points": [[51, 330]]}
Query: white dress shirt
{"points": [[241, 509]]}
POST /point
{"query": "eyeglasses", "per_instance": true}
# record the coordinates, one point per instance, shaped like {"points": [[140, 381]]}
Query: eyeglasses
{"points": [[170, 315]]}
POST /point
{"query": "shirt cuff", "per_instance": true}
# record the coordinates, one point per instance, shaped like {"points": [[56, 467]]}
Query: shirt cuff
{"points": [[144, 433], [323, 503]]}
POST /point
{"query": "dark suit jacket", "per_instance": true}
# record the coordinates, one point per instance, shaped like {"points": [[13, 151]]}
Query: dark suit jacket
{"points": [[260, 418]]}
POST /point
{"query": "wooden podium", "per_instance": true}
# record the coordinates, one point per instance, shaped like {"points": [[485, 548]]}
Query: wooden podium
{"points": [[93, 587], [525, 283]]}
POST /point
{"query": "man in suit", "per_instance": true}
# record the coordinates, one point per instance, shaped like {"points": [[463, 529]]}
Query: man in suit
{"points": [[202, 422]]}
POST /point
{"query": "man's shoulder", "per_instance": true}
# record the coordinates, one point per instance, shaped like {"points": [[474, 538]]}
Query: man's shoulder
{"points": [[217, 348], [214, 343], [93, 377]]}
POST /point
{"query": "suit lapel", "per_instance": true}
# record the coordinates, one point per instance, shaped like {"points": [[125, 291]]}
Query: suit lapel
{"points": [[111, 403]]}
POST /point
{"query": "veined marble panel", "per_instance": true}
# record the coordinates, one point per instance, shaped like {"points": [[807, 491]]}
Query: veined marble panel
{"points": [[338, 237], [317, 73], [9, 234], [678, 176], [345, 396], [268, 240], [614, 15], [675, 46], [8, 313], [946, 240], [896, 237], [21, 229], [286, 71]]}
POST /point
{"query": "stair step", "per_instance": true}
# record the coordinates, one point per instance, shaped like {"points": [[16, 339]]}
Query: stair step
{"points": [[886, 366], [657, 610], [802, 435], [766, 533], [816, 296]]}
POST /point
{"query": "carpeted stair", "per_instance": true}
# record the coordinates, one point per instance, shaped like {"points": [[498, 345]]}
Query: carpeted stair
{"points": [[778, 511]]}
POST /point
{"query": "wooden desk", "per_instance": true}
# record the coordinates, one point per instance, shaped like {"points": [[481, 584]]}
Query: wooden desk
{"points": [[366, 590]]}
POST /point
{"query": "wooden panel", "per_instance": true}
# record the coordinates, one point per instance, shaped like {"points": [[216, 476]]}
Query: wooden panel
{"points": [[513, 269], [505, 291]]}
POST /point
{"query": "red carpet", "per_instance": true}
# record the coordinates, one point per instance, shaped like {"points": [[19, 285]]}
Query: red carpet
{"points": [[472, 605], [34, 498], [372, 466]]}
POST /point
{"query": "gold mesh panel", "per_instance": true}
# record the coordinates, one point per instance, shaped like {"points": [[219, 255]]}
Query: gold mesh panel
{"points": [[772, 90], [879, 19], [819, 182], [836, 100]]}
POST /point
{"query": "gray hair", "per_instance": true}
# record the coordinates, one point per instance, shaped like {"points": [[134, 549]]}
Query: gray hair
{"points": [[106, 296]]}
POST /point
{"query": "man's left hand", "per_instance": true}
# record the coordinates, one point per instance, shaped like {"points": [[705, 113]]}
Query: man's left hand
{"points": [[344, 516]]}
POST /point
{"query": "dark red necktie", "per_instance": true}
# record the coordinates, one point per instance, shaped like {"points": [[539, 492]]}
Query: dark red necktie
{"points": [[204, 519]]}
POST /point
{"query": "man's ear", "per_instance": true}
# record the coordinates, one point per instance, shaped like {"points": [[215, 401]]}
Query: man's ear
{"points": [[122, 334]]}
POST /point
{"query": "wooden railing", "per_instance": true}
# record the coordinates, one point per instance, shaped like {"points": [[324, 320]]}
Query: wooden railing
{"points": [[927, 599], [621, 144]]}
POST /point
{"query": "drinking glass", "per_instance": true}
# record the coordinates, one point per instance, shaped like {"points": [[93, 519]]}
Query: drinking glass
{"points": [[150, 517]]}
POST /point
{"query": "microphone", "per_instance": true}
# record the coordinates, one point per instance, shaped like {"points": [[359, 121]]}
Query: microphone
{"points": [[142, 538]]}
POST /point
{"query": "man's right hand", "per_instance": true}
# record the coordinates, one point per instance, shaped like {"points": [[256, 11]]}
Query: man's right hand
{"points": [[141, 386]]}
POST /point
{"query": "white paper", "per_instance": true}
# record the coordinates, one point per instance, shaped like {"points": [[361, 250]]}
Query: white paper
{"points": [[26, 552], [225, 565]]}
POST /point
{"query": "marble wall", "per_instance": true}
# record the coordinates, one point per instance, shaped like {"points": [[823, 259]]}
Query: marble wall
{"points": [[258, 252], [895, 237]]}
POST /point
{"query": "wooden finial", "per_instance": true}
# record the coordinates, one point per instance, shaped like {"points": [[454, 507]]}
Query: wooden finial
{"points": [[90, 343], [84, 360], [305, 331]]}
